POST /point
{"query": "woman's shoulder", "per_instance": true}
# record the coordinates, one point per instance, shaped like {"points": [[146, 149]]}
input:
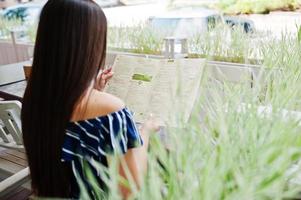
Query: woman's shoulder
{"points": [[107, 101], [98, 104]]}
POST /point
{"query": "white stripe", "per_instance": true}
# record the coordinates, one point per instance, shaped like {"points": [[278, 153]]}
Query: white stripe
{"points": [[121, 132], [128, 112], [100, 134], [89, 148], [83, 145], [124, 127], [111, 131], [101, 151], [88, 134], [102, 126], [89, 123], [77, 176], [70, 152], [72, 135], [94, 165]]}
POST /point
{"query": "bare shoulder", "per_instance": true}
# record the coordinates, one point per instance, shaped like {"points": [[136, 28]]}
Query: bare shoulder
{"points": [[105, 102], [98, 104]]}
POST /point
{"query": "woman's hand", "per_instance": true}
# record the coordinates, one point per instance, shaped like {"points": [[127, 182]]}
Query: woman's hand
{"points": [[151, 124], [102, 79]]}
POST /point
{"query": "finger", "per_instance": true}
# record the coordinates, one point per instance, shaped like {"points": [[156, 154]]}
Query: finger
{"points": [[109, 67], [100, 72], [108, 70], [154, 121], [105, 71], [100, 78], [107, 76], [102, 83], [110, 74]]}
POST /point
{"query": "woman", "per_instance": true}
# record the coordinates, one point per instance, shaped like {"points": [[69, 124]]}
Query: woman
{"points": [[66, 118]]}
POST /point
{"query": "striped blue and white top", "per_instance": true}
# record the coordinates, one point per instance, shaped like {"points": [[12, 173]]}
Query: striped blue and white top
{"points": [[93, 140]]}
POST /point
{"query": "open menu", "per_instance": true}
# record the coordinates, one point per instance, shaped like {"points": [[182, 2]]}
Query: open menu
{"points": [[166, 88]]}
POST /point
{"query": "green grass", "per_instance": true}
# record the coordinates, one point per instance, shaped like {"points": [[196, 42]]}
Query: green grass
{"points": [[221, 43], [233, 152], [140, 39], [228, 153], [240, 6], [257, 6]]}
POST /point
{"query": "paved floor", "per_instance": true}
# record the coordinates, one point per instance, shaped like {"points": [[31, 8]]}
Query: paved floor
{"points": [[276, 22]]}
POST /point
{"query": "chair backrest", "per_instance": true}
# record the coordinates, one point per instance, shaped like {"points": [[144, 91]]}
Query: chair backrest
{"points": [[10, 124]]}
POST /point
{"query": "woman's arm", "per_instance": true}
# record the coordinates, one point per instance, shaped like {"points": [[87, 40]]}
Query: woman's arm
{"points": [[135, 160]]}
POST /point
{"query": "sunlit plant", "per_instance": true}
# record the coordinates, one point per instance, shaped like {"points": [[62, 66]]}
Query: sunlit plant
{"points": [[6, 26], [257, 6], [237, 145], [230, 44], [139, 39]]}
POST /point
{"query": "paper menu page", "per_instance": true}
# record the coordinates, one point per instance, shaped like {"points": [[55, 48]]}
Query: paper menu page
{"points": [[168, 89]]}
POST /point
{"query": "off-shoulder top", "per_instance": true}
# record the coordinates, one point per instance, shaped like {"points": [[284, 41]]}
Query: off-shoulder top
{"points": [[90, 141]]}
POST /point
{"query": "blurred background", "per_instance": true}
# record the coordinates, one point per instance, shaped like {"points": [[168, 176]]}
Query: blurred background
{"points": [[139, 21], [243, 141]]}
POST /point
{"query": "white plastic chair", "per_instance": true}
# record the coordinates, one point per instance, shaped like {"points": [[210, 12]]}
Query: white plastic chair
{"points": [[11, 137], [10, 125]]}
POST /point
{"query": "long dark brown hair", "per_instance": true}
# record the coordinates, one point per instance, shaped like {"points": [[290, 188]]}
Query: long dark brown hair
{"points": [[69, 51]]}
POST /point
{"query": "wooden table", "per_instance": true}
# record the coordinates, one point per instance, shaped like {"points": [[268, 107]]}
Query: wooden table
{"points": [[12, 81], [13, 91]]}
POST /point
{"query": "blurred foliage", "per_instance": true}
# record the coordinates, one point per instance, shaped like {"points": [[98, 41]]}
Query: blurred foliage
{"points": [[6, 26], [241, 142], [257, 6], [27, 32], [139, 39]]}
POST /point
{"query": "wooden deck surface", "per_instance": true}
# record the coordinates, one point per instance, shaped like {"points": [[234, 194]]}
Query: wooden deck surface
{"points": [[11, 162], [20, 193]]}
